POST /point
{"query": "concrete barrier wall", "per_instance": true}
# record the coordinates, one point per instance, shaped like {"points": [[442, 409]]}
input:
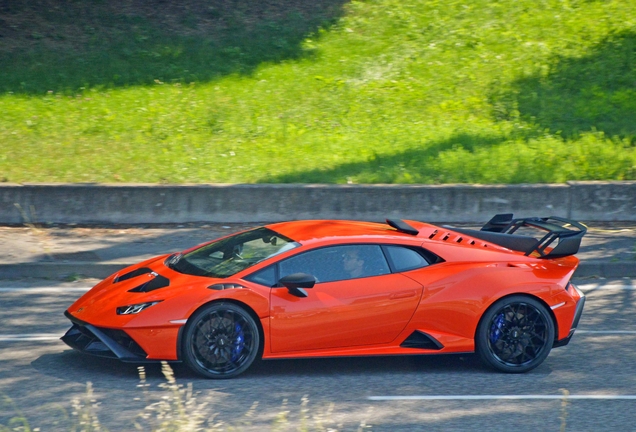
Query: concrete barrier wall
{"points": [[144, 204]]}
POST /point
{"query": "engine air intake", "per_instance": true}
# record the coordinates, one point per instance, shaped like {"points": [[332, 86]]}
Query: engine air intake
{"points": [[421, 340]]}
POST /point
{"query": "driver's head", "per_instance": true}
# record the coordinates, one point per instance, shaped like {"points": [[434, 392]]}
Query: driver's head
{"points": [[353, 264]]}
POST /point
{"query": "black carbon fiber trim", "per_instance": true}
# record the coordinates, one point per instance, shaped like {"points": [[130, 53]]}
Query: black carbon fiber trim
{"points": [[110, 343], [421, 340]]}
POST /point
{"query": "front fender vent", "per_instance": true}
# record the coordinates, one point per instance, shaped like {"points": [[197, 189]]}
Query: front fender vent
{"points": [[421, 340], [225, 286]]}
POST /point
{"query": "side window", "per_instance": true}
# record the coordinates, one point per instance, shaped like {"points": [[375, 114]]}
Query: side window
{"points": [[338, 263], [404, 259], [266, 276]]}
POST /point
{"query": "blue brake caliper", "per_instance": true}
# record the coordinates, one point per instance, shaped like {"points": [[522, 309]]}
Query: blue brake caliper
{"points": [[496, 328], [239, 342]]}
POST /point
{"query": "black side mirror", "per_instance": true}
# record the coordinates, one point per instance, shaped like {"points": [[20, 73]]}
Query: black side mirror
{"points": [[296, 282]]}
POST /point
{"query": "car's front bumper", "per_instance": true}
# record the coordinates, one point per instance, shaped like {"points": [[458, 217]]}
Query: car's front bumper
{"points": [[102, 342]]}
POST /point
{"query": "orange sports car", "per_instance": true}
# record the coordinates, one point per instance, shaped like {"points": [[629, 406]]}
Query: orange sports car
{"points": [[341, 288]]}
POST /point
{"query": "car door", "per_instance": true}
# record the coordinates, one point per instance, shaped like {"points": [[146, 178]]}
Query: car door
{"points": [[356, 300]]}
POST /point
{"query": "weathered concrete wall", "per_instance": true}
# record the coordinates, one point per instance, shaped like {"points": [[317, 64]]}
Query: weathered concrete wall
{"points": [[607, 201], [137, 204]]}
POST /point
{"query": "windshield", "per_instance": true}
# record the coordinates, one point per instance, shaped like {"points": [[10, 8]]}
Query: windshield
{"points": [[230, 255]]}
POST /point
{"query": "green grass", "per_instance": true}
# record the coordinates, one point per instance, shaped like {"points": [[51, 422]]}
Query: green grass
{"points": [[388, 91]]}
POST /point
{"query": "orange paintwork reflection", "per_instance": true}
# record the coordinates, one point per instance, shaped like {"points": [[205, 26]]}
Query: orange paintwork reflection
{"points": [[364, 311]]}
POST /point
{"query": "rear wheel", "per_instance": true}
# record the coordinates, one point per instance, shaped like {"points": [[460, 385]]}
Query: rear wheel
{"points": [[221, 341], [515, 334]]}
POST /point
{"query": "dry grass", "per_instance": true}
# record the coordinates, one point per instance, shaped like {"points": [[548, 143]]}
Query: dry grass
{"points": [[179, 409]]}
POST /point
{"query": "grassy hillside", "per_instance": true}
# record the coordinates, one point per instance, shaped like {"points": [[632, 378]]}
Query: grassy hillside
{"points": [[390, 91]]}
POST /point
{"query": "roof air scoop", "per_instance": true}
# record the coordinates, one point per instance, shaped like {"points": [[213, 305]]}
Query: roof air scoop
{"points": [[402, 226]]}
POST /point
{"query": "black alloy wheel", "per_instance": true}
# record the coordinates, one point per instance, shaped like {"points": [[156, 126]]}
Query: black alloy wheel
{"points": [[515, 334], [221, 341]]}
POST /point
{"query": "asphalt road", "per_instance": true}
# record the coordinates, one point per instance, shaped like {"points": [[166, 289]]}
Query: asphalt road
{"points": [[42, 377]]}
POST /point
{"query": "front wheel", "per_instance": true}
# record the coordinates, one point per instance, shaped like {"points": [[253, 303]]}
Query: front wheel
{"points": [[515, 334], [221, 341]]}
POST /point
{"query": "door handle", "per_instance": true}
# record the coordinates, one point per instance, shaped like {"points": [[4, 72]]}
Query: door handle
{"points": [[403, 294]]}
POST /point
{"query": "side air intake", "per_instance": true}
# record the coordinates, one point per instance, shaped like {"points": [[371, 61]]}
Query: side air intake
{"points": [[421, 340]]}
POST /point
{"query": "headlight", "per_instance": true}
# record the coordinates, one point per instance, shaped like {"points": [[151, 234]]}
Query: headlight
{"points": [[135, 309]]}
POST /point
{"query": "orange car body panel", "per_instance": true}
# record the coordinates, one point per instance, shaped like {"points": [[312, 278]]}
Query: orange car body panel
{"points": [[368, 311], [368, 316]]}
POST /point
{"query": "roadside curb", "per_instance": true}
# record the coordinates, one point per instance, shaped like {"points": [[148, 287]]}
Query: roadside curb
{"points": [[70, 269], [64, 270], [609, 270]]}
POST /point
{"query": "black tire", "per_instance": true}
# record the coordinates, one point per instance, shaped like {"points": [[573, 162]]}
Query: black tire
{"points": [[515, 334], [221, 340]]}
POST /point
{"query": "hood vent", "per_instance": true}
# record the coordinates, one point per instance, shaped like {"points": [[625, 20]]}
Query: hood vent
{"points": [[154, 284], [132, 274]]}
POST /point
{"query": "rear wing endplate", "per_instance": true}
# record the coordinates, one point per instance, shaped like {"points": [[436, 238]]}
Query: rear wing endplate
{"points": [[561, 237]]}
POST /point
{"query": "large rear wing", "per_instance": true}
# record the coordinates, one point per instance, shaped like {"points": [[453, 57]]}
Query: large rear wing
{"points": [[560, 237]]}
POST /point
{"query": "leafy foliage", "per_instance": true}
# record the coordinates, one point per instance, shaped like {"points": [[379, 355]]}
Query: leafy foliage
{"points": [[485, 91]]}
